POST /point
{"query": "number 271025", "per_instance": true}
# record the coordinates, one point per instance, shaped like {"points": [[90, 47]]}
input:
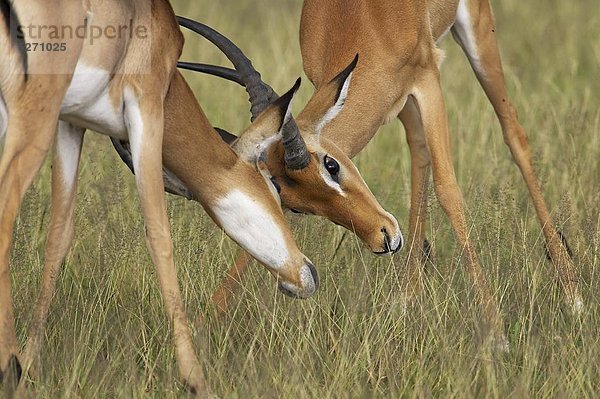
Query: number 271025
{"points": [[48, 47]]}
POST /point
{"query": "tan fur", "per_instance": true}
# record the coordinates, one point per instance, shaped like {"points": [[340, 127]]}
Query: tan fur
{"points": [[395, 40]]}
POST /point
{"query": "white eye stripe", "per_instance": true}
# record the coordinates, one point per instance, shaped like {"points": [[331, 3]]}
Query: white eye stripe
{"points": [[330, 182]]}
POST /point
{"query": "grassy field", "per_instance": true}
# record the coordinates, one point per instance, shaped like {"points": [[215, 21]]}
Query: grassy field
{"points": [[107, 334]]}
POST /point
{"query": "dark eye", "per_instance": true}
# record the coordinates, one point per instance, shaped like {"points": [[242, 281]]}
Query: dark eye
{"points": [[332, 166]]}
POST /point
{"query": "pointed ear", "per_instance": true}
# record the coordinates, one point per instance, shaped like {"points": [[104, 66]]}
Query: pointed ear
{"points": [[266, 129], [334, 96]]}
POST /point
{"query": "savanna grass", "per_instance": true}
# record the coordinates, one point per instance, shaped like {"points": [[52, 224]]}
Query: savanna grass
{"points": [[108, 336]]}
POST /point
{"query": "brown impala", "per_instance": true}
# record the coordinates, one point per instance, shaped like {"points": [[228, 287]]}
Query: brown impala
{"points": [[128, 88], [398, 76]]}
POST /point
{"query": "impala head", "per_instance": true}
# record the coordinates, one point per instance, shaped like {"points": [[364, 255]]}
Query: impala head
{"points": [[311, 174], [251, 214], [326, 183], [252, 217]]}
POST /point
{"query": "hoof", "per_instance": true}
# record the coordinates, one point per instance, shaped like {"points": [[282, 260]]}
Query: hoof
{"points": [[427, 254], [565, 243], [13, 373], [198, 390]]}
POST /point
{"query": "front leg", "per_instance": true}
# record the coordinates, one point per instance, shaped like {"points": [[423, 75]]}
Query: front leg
{"points": [[420, 171], [67, 151], [428, 95], [144, 118]]}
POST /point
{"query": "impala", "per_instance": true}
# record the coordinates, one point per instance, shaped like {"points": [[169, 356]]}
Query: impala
{"points": [[109, 87], [398, 77]]}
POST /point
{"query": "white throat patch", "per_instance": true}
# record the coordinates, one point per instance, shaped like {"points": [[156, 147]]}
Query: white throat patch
{"points": [[248, 224]]}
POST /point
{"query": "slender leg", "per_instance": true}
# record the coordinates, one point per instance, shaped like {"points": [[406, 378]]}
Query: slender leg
{"points": [[67, 151], [420, 172], [145, 121], [433, 113], [221, 299], [27, 143], [474, 30]]}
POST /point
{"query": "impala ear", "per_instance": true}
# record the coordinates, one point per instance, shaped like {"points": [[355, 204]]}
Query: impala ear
{"points": [[337, 94], [266, 129]]}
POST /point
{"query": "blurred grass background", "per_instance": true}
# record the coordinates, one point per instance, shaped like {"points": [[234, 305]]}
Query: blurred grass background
{"points": [[107, 334]]}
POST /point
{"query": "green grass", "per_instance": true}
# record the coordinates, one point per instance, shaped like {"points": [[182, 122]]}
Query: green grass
{"points": [[107, 335]]}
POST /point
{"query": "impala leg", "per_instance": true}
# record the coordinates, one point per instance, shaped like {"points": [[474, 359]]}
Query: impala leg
{"points": [[221, 299], [420, 172], [27, 143], [67, 151], [433, 113], [145, 121], [474, 30]]}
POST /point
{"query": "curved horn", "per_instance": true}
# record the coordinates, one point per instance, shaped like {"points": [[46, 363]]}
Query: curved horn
{"points": [[296, 154], [261, 94], [222, 72]]}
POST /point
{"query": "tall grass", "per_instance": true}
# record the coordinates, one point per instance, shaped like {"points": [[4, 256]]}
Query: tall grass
{"points": [[108, 336]]}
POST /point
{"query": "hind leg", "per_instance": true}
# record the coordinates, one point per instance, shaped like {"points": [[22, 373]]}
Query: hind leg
{"points": [[67, 151], [432, 108], [474, 30], [27, 143], [222, 297]]}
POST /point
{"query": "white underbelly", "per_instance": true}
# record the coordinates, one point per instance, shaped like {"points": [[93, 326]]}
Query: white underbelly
{"points": [[88, 104]]}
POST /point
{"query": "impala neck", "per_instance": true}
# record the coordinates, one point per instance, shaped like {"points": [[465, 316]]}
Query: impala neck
{"points": [[390, 56], [372, 101], [187, 135]]}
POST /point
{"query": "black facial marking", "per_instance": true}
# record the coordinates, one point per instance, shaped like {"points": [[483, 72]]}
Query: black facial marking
{"points": [[287, 181]]}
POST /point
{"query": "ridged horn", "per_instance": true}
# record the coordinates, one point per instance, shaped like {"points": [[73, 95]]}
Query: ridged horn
{"points": [[261, 94], [296, 154]]}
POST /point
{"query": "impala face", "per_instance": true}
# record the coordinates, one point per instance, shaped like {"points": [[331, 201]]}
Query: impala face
{"points": [[315, 177], [332, 187]]}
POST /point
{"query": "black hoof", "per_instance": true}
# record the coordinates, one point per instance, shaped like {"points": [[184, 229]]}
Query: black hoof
{"points": [[427, 254], [13, 373], [566, 245]]}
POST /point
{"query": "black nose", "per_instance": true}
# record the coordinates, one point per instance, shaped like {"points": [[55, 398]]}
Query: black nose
{"points": [[387, 242], [315, 275], [287, 292]]}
